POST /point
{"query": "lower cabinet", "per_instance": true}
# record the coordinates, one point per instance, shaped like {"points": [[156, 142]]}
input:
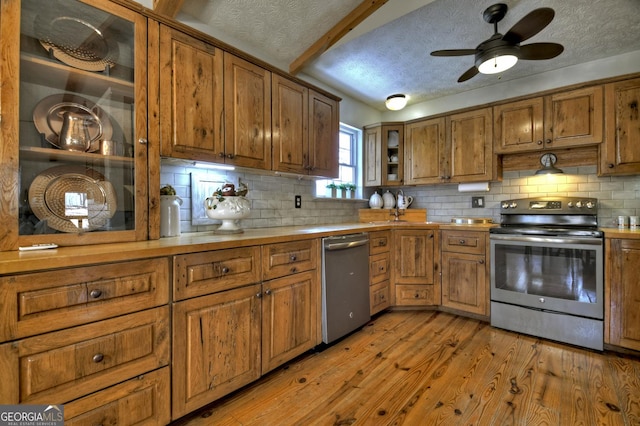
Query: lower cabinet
{"points": [[379, 271], [622, 293], [415, 267], [229, 338], [465, 271]]}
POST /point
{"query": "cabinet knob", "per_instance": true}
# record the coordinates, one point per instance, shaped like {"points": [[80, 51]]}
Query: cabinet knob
{"points": [[95, 294], [481, 261], [548, 141], [267, 291], [293, 258], [382, 243], [462, 241], [610, 165], [98, 357], [230, 155], [259, 295], [143, 141], [539, 142], [221, 154], [225, 270]]}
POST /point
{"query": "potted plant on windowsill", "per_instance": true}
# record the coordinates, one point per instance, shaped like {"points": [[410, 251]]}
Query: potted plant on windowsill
{"points": [[352, 189], [333, 188], [343, 189]]}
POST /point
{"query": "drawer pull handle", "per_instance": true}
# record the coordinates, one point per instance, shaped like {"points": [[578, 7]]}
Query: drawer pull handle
{"points": [[95, 294], [462, 241], [293, 258], [382, 243], [98, 357]]}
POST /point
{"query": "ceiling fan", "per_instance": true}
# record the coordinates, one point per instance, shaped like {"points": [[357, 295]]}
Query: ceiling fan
{"points": [[501, 52]]}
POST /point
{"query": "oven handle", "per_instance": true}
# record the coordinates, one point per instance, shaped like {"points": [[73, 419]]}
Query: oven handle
{"points": [[550, 240]]}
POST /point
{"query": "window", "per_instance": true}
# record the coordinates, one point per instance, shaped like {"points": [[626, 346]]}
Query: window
{"points": [[349, 159]]}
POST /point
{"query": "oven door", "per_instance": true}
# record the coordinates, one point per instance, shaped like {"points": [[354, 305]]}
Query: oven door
{"points": [[561, 274]]}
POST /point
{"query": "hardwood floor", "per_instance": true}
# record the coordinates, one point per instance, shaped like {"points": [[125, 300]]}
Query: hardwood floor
{"points": [[429, 368]]}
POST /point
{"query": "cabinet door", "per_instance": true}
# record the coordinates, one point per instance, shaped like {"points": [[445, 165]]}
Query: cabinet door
{"points": [[620, 154], [67, 185], [622, 313], [464, 284], [247, 100], [289, 318], [379, 299], [414, 256], [518, 126], [574, 118], [424, 152], [373, 161], [191, 97], [470, 141], [216, 347], [290, 106], [324, 127]]}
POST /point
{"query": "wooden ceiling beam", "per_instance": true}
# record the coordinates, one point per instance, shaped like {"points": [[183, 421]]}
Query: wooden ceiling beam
{"points": [[168, 8], [349, 22]]}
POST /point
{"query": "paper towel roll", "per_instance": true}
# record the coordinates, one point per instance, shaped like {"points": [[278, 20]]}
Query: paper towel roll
{"points": [[473, 187]]}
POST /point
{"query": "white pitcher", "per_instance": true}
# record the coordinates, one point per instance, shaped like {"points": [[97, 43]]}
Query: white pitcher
{"points": [[404, 201]]}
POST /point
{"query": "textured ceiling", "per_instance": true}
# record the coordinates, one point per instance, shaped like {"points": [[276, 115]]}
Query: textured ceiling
{"points": [[393, 57]]}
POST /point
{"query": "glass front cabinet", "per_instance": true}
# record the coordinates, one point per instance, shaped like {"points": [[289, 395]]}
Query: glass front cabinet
{"points": [[74, 123]]}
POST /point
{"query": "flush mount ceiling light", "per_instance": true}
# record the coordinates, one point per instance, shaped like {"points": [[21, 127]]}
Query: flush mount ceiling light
{"points": [[548, 162], [396, 102]]}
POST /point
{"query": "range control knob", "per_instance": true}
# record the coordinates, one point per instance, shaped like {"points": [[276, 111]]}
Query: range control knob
{"points": [[505, 205], [513, 205], [579, 204], [570, 204], [590, 204]]}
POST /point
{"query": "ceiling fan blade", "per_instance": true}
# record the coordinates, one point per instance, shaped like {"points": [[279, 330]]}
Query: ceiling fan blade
{"points": [[530, 25], [453, 52], [471, 72], [537, 51]]}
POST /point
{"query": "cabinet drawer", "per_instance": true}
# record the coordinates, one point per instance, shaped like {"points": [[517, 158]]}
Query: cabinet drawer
{"points": [[379, 297], [58, 367], [418, 295], [379, 242], [209, 272], [52, 300], [464, 242], [289, 258], [144, 400], [379, 268]]}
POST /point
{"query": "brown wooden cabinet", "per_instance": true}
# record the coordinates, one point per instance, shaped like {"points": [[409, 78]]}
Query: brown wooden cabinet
{"points": [[384, 154], [305, 130], [465, 271], [622, 293], [379, 270], [415, 267], [452, 149], [620, 153], [561, 120]]}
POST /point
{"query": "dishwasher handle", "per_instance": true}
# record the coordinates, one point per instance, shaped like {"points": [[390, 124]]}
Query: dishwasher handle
{"points": [[345, 245]]}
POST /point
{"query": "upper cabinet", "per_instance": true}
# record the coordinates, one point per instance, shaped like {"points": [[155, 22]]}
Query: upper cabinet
{"points": [[620, 154], [214, 106], [74, 123], [324, 122], [562, 120], [384, 154], [452, 149]]}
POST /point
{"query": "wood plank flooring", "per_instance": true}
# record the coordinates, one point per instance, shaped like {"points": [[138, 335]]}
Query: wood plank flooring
{"points": [[434, 368]]}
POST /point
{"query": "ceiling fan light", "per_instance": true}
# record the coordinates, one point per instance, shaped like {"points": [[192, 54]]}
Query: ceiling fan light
{"points": [[396, 102], [497, 64]]}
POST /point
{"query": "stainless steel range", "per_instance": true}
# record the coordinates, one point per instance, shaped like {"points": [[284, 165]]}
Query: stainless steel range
{"points": [[547, 270]]}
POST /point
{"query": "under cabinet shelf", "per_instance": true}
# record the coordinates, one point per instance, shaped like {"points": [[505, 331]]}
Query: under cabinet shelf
{"points": [[48, 154]]}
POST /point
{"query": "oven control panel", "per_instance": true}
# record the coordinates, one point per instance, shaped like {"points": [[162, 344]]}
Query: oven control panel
{"points": [[550, 205]]}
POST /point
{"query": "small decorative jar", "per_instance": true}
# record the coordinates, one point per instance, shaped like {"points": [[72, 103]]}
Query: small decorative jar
{"points": [[375, 201], [170, 215], [389, 200]]}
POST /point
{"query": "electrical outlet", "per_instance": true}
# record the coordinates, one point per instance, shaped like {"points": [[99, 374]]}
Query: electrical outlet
{"points": [[477, 202], [298, 201]]}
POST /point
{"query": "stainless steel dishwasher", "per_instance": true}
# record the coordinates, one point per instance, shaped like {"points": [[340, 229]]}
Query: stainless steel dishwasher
{"points": [[345, 285]]}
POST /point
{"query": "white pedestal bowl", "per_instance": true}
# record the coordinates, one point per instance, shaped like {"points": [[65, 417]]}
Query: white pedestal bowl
{"points": [[230, 210]]}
